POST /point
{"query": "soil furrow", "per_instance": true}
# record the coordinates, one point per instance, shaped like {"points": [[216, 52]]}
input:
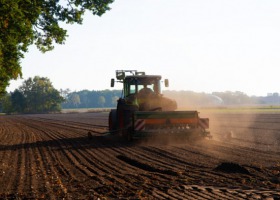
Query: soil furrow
{"points": [[51, 157], [14, 171]]}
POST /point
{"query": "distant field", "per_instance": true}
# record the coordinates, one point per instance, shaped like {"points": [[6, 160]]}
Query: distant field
{"points": [[240, 109], [224, 109], [82, 110]]}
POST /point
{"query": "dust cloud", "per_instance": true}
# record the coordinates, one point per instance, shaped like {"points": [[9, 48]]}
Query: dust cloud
{"points": [[163, 139], [249, 129]]}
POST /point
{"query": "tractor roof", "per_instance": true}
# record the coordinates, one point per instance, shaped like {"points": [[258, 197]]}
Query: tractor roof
{"points": [[151, 77], [142, 79]]}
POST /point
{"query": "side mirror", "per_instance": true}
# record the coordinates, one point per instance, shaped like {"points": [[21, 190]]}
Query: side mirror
{"points": [[166, 82], [112, 82]]}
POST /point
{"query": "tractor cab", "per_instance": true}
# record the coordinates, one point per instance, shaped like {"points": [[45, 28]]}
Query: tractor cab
{"points": [[137, 82], [140, 90], [147, 84]]}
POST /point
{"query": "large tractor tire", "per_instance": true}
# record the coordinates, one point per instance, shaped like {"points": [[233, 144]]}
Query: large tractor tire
{"points": [[113, 120]]}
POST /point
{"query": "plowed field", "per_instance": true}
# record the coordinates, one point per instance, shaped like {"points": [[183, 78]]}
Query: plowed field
{"points": [[51, 157]]}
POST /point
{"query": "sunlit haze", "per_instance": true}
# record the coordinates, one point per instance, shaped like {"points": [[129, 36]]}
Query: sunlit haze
{"points": [[199, 45]]}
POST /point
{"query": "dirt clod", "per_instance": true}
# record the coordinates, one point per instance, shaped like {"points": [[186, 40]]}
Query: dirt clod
{"points": [[229, 167]]}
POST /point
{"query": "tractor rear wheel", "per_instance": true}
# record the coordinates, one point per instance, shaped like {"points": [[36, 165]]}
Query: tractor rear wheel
{"points": [[113, 120]]}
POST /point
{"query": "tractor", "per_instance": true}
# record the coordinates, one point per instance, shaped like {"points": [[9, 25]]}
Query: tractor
{"points": [[143, 111]]}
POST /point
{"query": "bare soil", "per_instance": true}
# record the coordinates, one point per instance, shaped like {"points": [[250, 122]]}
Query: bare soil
{"points": [[51, 157]]}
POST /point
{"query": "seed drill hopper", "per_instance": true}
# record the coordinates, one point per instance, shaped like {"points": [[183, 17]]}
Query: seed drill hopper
{"points": [[142, 111]]}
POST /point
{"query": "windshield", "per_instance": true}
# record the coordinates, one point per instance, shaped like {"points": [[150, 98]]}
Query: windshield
{"points": [[134, 85]]}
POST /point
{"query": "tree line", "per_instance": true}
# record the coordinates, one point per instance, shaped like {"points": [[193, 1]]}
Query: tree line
{"points": [[91, 99], [37, 95], [184, 99], [228, 98]]}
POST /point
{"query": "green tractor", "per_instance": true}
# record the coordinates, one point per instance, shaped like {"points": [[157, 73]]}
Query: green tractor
{"points": [[142, 110]]}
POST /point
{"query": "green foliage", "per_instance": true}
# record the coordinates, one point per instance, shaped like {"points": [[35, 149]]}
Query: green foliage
{"points": [[114, 100], [40, 95], [36, 95], [6, 104], [23, 23], [18, 101], [92, 99], [101, 101], [184, 99], [74, 99]]}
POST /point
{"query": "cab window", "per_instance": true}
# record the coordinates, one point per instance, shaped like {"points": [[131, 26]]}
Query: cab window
{"points": [[140, 87], [132, 89]]}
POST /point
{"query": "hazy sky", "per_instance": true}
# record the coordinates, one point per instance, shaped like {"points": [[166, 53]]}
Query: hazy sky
{"points": [[199, 45]]}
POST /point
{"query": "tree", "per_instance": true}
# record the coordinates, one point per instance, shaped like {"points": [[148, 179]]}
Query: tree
{"points": [[115, 100], [40, 95], [74, 99], [101, 101], [18, 101], [6, 104], [23, 23], [64, 93]]}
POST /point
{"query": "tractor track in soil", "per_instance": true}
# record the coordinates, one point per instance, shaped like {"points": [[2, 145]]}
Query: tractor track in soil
{"points": [[51, 157]]}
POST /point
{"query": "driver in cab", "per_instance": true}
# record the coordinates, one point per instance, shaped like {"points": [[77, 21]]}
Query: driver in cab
{"points": [[145, 91]]}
